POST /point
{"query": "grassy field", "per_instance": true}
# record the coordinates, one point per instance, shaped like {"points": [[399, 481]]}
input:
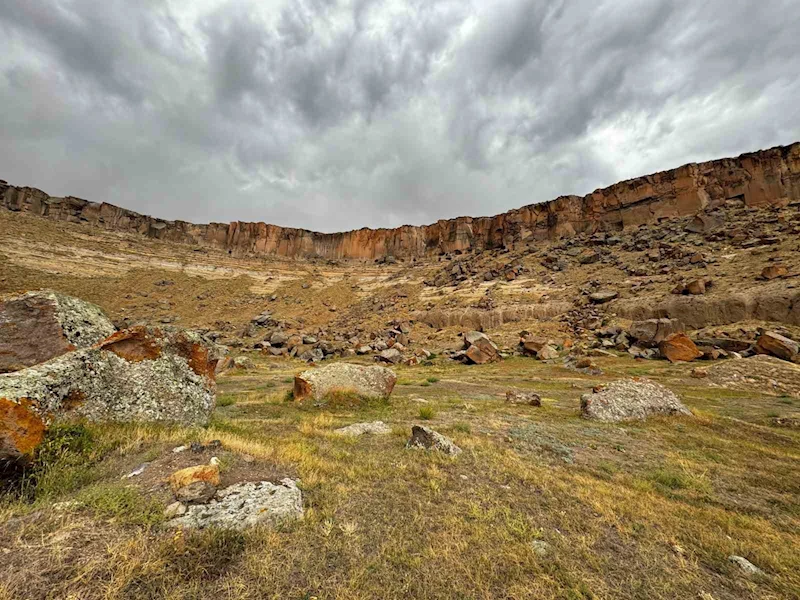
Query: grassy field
{"points": [[541, 503]]}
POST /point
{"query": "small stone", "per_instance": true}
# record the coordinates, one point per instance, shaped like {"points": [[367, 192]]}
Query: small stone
{"points": [[137, 471], [522, 397], [179, 449], [428, 439], [541, 548], [176, 509], [745, 565], [356, 429]]}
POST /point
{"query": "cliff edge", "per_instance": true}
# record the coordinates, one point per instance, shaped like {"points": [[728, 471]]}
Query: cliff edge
{"points": [[764, 178]]}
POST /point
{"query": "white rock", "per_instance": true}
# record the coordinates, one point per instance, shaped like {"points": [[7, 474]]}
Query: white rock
{"points": [[356, 429]]}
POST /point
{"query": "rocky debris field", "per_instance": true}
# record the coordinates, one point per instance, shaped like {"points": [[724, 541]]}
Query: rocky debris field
{"points": [[539, 419]]}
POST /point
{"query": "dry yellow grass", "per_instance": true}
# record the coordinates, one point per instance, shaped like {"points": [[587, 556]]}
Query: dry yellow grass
{"points": [[644, 510]]}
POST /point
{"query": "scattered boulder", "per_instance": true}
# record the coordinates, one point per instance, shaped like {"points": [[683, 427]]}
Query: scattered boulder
{"points": [[603, 296], [137, 374], [244, 363], [522, 397], [245, 505], [631, 399], [777, 345], [654, 331], [369, 382], [195, 485], [679, 348], [357, 429], [425, 438], [479, 349], [391, 356], [38, 326], [771, 272], [547, 353]]}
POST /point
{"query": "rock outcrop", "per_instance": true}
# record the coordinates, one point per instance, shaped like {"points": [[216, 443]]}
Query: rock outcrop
{"points": [[767, 177], [38, 326], [367, 382], [138, 374]]}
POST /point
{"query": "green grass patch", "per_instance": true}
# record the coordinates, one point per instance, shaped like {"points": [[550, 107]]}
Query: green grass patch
{"points": [[122, 503], [426, 413]]}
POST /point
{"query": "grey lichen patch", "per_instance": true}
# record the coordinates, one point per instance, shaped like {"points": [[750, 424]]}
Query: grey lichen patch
{"points": [[84, 323], [102, 386]]}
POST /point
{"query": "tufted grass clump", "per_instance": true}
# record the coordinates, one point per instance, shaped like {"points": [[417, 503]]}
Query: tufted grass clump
{"points": [[426, 413]]}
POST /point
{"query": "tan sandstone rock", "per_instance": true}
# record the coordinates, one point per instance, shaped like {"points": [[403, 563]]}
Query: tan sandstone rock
{"points": [[679, 348]]}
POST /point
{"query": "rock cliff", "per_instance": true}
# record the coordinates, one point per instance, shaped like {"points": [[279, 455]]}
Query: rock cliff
{"points": [[767, 177]]}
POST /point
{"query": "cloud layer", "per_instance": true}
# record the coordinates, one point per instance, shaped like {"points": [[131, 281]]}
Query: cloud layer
{"points": [[334, 115]]}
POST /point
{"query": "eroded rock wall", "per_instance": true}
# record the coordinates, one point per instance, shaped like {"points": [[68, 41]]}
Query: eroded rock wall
{"points": [[761, 178]]}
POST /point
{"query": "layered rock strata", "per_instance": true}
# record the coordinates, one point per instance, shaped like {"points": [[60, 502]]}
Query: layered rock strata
{"points": [[767, 177]]}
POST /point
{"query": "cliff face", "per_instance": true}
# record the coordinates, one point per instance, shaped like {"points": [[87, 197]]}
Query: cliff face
{"points": [[768, 177]]}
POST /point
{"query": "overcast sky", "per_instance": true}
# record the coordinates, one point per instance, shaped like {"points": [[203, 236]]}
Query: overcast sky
{"points": [[334, 115]]}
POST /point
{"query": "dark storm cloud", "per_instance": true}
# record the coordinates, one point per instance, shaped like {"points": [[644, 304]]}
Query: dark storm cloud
{"points": [[334, 115]]}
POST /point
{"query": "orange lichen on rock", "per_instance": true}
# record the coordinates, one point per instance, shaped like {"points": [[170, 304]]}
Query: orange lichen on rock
{"points": [[21, 429]]}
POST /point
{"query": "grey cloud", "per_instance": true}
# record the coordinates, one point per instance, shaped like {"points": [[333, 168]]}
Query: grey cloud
{"points": [[334, 115]]}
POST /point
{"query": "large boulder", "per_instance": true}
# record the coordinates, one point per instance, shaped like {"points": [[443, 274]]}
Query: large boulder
{"points": [[654, 331], [679, 348], [368, 382], [479, 349], [777, 345], [38, 326], [631, 399], [137, 374]]}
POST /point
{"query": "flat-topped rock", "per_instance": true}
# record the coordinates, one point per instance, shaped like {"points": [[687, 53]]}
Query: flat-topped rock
{"points": [[367, 382]]}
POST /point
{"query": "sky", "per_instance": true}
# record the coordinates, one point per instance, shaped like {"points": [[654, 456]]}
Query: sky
{"points": [[333, 115]]}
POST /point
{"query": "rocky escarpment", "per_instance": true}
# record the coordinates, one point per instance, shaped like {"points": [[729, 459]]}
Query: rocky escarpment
{"points": [[768, 177]]}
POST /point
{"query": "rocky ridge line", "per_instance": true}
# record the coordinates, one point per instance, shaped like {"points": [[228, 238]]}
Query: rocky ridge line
{"points": [[763, 178]]}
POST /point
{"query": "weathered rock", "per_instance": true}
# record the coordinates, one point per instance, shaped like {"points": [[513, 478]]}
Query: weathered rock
{"points": [[523, 397], [200, 473], [391, 356], [696, 287], [679, 348], [771, 272], [745, 565], [245, 505], [547, 353], [368, 382], [137, 374], [603, 297], [479, 349], [356, 429], [777, 345], [425, 438], [244, 363], [38, 326], [631, 399], [653, 331]]}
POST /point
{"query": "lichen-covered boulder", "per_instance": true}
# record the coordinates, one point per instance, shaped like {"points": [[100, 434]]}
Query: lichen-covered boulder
{"points": [[245, 505], [38, 326], [631, 399], [425, 438], [367, 382], [137, 374]]}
